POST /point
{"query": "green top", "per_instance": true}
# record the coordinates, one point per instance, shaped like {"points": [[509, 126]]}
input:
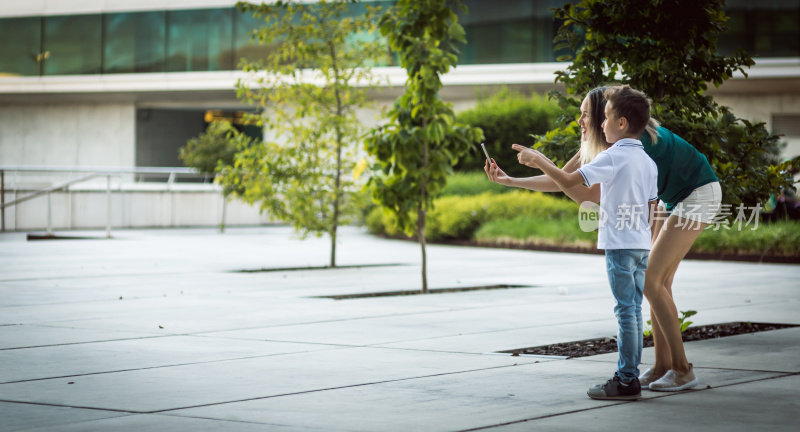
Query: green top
{"points": [[681, 168]]}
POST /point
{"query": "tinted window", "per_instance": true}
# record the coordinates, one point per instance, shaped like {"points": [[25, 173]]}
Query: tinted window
{"points": [[200, 40], [769, 28], [134, 42], [20, 46], [73, 43]]}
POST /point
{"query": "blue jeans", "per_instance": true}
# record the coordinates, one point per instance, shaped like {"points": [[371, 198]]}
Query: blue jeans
{"points": [[625, 269]]}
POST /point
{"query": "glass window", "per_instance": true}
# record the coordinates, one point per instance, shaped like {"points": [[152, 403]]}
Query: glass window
{"points": [[245, 24], [245, 47], [21, 46], [73, 43], [769, 28], [200, 40], [134, 42], [509, 31]]}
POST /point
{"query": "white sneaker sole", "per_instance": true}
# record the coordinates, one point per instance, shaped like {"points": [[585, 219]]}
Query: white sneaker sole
{"points": [[686, 386]]}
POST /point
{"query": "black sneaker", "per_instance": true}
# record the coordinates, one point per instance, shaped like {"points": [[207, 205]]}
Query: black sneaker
{"points": [[615, 389]]}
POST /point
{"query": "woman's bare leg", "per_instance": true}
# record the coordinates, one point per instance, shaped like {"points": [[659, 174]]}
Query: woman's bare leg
{"points": [[663, 356], [673, 242]]}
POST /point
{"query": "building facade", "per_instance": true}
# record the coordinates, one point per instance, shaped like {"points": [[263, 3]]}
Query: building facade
{"points": [[125, 83]]}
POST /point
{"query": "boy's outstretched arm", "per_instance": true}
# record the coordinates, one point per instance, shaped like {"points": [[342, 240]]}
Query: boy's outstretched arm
{"points": [[535, 159], [543, 183]]}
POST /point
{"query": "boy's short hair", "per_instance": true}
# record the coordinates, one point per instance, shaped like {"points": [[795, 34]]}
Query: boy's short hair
{"points": [[631, 104]]}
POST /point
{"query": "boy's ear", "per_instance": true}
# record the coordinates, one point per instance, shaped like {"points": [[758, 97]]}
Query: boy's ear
{"points": [[623, 123]]}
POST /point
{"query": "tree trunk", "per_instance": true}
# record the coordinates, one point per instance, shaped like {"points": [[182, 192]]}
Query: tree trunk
{"points": [[421, 212], [421, 236], [336, 196], [338, 186]]}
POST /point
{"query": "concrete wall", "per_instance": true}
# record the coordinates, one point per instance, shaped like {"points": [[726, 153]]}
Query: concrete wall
{"points": [[763, 108], [60, 7], [68, 135], [131, 207]]}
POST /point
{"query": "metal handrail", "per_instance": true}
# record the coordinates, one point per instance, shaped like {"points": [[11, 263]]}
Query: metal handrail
{"points": [[93, 172], [102, 170], [45, 191]]}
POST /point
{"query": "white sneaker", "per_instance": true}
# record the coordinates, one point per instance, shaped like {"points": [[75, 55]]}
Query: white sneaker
{"points": [[672, 382], [648, 377]]}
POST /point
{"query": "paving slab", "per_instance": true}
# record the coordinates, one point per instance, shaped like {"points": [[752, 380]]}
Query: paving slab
{"points": [[196, 344], [513, 338], [155, 422], [113, 356], [776, 350], [396, 328], [739, 407], [21, 336], [773, 351], [25, 417], [443, 403], [158, 389]]}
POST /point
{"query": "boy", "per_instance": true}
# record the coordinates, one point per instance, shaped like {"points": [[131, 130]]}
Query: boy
{"points": [[628, 195]]}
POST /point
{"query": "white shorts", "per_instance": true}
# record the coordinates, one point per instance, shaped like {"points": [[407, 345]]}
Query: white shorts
{"points": [[701, 205]]}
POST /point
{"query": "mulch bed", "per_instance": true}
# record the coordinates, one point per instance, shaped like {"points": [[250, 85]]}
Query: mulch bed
{"points": [[592, 347]]}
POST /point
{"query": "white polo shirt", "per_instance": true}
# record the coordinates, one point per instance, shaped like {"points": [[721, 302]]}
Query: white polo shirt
{"points": [[628, 181]]}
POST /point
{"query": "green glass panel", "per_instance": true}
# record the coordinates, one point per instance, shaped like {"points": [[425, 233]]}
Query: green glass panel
{"points": [[134, 42], [245, 24], [200, 40], [20, 46], [360, 8], [509, 31], [769, 28], [73, 43]]}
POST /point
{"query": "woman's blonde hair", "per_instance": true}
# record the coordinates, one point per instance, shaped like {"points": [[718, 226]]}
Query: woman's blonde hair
{"points": [[595, 140], [652, 130]]}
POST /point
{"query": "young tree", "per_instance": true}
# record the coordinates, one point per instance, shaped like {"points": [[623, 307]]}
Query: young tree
{"points": [[212, 153], [215, 147], [314, 77], [670, 53], [420, 144]]}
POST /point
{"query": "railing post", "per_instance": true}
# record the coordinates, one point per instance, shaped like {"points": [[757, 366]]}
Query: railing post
{"points": [[171, 199], [2, 201], [49, 217], [224, 210], [108, 206]]}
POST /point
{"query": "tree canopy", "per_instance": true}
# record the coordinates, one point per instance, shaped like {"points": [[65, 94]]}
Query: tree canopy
{"points": [[419, 145], [669, 51], [308, 87]]}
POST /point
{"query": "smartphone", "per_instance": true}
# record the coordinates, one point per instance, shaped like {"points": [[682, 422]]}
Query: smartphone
{"points": [[486, 153]]}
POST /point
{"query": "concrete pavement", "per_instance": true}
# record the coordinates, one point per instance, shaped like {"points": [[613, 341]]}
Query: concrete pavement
{"points": [[160, 330]]}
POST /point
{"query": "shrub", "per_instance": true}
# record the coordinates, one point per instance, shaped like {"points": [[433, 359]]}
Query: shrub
{"points": [[507, 117], [458, 217], [525, 229], [471, 183], [779, 238], [532, 204], [212, 148]]}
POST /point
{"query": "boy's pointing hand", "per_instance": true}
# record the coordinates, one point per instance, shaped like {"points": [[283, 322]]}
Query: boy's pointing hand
{"points": [[530, 157]]}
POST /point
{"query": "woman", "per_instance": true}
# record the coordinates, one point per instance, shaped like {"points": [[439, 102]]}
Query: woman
{"points": [[690, 198]]}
